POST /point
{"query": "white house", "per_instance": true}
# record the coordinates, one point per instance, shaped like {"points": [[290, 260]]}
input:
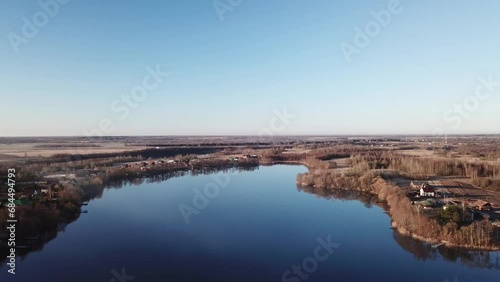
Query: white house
{"points": [[427, 191]]}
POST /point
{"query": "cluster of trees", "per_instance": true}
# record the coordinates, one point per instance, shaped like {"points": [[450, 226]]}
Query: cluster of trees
{"points": [[487, 150], [277, 155], [341, 151], [209, 165], [424, 251], [42, 219], [407, 216], [145, 153], [38, 218], [71, 162], [419, 166], [450, 214], [419, 249]]}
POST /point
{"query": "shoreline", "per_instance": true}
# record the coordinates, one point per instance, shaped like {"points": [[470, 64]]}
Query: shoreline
{"points": [[402, 230], [394, 224], [405, 232], [164, 173]]}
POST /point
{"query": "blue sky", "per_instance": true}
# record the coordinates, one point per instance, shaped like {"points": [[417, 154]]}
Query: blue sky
{"points": [[229, 76]]}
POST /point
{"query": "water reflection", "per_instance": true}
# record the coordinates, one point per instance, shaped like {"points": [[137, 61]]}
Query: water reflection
{"points": [[36, 242], [419, 249]]}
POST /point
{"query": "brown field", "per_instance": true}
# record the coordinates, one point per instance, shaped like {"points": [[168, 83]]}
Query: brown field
{"points": [[431, 154], [462, 187], [12, 152], [418, 153]]}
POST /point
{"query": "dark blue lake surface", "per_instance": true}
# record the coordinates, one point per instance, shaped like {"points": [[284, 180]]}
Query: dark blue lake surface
{"points": [[255, 228]]}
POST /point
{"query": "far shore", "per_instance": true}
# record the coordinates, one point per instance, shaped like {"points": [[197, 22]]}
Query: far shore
{"points": [[58, 185]]}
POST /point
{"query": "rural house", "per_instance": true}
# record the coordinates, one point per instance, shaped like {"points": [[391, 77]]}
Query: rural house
{"points": [[427, 191], [481, 205]]}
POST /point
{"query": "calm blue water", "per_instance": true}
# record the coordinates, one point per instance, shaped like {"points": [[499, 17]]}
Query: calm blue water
{"points": [[254, 229]]}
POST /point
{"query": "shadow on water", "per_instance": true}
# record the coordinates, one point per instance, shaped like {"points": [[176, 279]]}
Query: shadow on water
{"points": [[420, 250], [35, 242]]}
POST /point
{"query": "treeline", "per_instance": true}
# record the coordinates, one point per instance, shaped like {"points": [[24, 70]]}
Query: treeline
{"points": [[317, 155], [342, 151], [213, 144], [146, 153], [37, 222], [279, 154], [421, 250], [67, 145], [43, 220], [70, 163], [404, 214], [487, 151], [419, 166], [197, 165], [485, 175], [81, 155]]}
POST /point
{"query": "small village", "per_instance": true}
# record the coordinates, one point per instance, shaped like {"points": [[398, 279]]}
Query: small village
{"points": [[432, 199], [47, 189]]}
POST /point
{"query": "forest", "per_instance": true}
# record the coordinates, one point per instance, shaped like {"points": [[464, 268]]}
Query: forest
{"points": [[366, 176]]}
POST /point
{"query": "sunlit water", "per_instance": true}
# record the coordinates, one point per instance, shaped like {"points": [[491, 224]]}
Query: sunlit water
{"points": [[256, 228]]}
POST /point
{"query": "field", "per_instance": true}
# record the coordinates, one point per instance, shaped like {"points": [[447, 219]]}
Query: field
{"points": [[461, 188], [13, 152], [67, 171]]}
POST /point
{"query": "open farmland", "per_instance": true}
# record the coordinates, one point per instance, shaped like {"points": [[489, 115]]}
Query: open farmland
{"points": [[12, 152], [461, 188]]}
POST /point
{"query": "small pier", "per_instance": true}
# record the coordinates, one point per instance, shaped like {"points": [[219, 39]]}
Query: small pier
{"points": [[437, 245]]}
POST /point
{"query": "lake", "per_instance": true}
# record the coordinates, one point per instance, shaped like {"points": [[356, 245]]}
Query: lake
{"points": [[242, 226]]}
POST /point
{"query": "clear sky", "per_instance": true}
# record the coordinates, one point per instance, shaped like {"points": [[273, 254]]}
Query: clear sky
{"points": [[229, 76]]}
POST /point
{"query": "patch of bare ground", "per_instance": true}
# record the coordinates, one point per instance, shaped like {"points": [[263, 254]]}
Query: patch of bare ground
{"points": [[462, 187], [401, 182], [297, 151], [417, 152], [432, 154], [9, 152], [341, 165]]}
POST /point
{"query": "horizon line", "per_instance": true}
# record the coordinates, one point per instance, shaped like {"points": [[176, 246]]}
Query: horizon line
{"points": [[260, 136]]}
